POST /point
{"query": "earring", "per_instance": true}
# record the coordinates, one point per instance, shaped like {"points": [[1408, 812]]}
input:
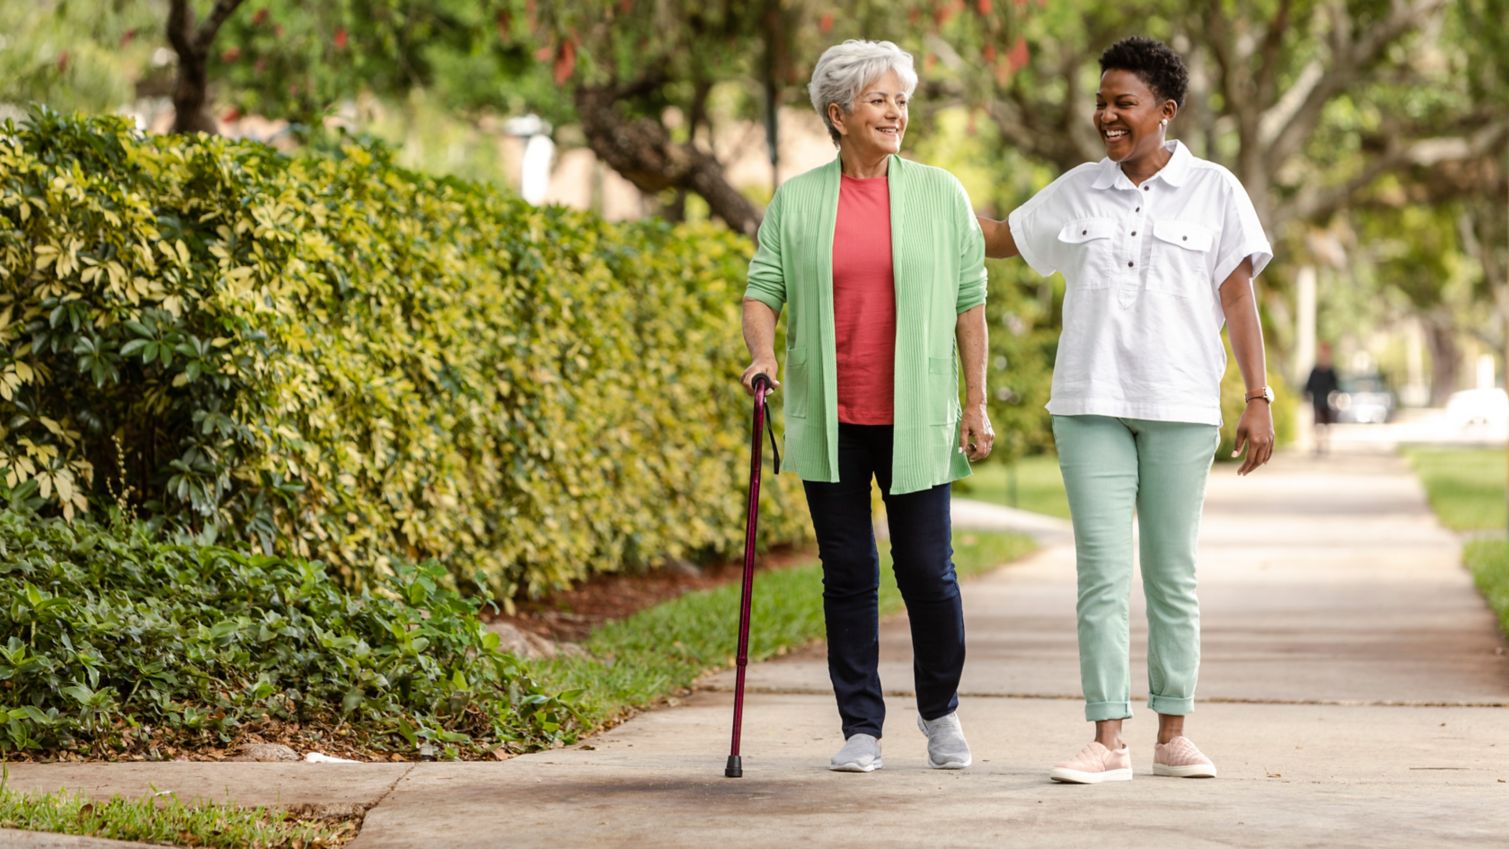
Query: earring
{"points": [[1163, 124]]}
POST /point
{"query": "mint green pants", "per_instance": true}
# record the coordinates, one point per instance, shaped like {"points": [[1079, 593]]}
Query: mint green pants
{"points": [[1113, 468]]}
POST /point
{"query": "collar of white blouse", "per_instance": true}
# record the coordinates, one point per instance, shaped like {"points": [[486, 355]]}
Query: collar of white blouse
{"points": [[1110, 175]]}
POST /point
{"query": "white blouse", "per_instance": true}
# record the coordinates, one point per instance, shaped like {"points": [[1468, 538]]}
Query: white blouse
{"points": [[1143, 267]]}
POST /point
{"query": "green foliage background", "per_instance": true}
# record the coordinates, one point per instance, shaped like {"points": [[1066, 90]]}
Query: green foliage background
{"points": [[334, 357]]}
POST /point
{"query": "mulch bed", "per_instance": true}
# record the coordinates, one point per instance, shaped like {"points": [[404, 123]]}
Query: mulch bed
{"points": [[571, 615]]}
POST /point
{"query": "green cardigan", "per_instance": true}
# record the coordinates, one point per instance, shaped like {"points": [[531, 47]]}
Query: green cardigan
{"points": [[938, 254]]}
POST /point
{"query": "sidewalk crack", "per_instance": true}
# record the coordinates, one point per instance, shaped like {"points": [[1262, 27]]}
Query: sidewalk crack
{"points": [[388, 792]]}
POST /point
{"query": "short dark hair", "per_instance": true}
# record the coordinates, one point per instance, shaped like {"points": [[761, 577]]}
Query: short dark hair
{"points": [[1153, 62]]}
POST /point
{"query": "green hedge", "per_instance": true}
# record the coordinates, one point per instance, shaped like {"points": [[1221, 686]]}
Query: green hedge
{"points": [[336, 358], [116, 643]]}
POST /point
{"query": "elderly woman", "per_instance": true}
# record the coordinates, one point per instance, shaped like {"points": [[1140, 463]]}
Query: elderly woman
{"points": [[880, 264], [1158, 250]]}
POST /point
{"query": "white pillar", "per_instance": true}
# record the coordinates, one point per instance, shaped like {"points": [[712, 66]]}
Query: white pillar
{"points": [[534, 180]]}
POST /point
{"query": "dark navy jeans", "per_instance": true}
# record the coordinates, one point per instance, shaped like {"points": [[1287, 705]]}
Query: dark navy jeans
{"points": [[922, 552]]}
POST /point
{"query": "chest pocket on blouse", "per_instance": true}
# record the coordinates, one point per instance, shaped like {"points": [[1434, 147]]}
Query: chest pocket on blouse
{"points": [[1089, 252], [1181, 261]]}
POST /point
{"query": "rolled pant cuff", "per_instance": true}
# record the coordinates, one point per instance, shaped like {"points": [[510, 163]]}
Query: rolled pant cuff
{"points": [[1171, 707], [1096, 711]]}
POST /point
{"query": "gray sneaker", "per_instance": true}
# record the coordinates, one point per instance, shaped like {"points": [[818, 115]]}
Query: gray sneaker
{"points": [[946, 748], [861, 753]]}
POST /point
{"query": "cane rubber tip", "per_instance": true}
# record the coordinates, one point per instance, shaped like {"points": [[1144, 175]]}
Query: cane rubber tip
{"points": [[735, 768]]}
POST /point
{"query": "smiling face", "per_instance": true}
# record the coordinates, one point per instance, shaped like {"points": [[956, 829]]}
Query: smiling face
{"points": [[1127, 112], [877, 123]]}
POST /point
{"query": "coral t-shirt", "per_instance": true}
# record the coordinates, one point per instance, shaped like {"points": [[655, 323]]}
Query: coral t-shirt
{"points": [[864, 302]]}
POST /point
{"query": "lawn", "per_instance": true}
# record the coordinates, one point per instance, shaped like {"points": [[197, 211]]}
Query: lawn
{"points": [[1466, 489], [1031, 484], [166, 820], [660, 651], [1465, 485]]}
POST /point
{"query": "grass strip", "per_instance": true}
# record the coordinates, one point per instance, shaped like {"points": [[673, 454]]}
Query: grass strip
{"points": [[661, 650], [1488, 560], [1031, 483], [1465, 486], [169, 821]]}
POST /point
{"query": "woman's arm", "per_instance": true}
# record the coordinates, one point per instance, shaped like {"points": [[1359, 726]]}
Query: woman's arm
{"points": [[976, 437], [1255, 429], [759, 338], [998, 241], [764, 297]]}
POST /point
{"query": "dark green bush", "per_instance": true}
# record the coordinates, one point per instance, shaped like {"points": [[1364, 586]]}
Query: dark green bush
{"points": [[335, 358], [115, 643]]}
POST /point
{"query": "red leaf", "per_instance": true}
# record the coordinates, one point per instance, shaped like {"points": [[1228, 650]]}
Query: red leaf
{"points": [[1018, 56], [260, 18], [340, 38], [63, 61], [983, 6], [825, 23], [230, 55], [944, 11], [565, 61], [503, 24], [989, 53], [544, 53]]}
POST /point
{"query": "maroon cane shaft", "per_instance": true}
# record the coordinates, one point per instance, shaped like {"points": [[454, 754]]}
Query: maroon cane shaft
{"points": [[749, 560]]}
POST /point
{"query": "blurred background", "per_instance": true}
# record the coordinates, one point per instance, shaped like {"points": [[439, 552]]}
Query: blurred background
{"points": [[1371, 134]]}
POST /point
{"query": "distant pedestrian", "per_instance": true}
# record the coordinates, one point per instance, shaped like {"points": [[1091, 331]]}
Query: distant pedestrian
{"points": [[879, 263], [1158, 250], [1319, 386]]}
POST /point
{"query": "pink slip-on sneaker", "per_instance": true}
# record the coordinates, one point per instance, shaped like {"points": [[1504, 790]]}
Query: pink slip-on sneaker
{"points": [[1094, 764], [1180, 758]]}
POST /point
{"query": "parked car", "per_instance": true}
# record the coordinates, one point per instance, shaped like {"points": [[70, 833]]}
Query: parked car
{"points": [[1470, 407], [1364, 398]]}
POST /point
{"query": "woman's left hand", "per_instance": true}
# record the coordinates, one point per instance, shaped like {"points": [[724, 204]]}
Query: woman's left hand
{"points": [[1255, 433], [976, 436]]}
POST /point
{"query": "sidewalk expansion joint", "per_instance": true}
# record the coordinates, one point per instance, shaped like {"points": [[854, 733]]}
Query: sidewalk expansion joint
{"points": [[1213, 700]]}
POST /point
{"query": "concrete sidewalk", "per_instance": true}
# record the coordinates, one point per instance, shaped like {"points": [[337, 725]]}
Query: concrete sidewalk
{"points": [[1354, 692]]}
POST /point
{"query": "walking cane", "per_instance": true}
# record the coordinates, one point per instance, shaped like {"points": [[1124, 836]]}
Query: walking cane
{"points": [[761, 383]]}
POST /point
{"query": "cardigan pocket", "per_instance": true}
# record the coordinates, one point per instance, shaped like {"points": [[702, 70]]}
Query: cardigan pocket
{"points": [[940, 370], [798, 386]]}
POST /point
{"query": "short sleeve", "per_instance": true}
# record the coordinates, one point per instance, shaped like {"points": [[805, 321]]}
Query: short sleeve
{"points": [[1241, 234], [1034, 229], [972, 275], [767, 278]]}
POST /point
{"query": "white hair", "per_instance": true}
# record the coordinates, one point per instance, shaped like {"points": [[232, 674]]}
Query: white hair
{"points": [[844, 70]]}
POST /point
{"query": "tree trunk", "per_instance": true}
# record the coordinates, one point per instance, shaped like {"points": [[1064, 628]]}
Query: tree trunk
{"points": [[641, 150], [190, 92], [192, 45], [1445, 358]]}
